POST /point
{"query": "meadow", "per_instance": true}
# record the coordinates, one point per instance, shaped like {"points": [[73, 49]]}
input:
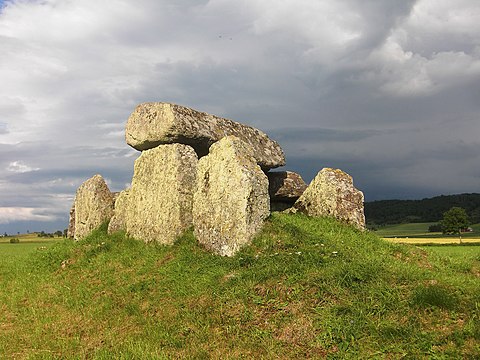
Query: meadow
{"points": [[27, 244], [305, 288], [417, 233]]}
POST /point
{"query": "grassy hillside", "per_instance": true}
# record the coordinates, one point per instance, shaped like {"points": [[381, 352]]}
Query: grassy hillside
{"points": [[306, 288]]}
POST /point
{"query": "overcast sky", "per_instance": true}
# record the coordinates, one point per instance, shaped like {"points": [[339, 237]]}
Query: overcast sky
{"points": [[388, 91]]}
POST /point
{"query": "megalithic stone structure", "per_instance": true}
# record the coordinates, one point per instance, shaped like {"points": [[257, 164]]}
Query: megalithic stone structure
{"points": [[213, 173], [155, 123]]}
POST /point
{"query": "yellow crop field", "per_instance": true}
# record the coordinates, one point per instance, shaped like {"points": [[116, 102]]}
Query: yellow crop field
{"points": [[433, 240]]}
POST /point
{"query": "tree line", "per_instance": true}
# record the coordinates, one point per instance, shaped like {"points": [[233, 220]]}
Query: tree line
{"points": [[42, 234], [389, 212], [57, 233]]}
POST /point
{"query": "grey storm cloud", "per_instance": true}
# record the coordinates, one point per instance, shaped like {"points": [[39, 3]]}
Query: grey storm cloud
{"points": [[285, 135], [387, 91]]}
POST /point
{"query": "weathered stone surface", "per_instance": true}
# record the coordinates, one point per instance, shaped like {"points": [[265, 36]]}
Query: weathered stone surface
{"points": [[71, 222], [231, 201], [155, 123], [93, 206], [117, 222], [158, 206], [331, 193], [285, 186]]}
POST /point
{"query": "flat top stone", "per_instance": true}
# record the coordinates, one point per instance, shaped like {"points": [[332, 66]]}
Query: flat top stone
{"points": [[155, 123]]}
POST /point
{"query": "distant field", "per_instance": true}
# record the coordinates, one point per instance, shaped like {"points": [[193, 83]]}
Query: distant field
{"points": [[28, 243], [417, 233], [413, 229], [30, 238], [432, 240]]}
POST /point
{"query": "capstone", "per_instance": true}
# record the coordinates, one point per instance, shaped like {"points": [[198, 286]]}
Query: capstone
{"points": [[155, 123]]}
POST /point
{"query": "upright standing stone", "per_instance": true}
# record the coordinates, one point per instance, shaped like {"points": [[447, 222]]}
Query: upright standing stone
{"points": [[231, 201], [152, 124], [158, 206], [331, 193], [93, 206]]}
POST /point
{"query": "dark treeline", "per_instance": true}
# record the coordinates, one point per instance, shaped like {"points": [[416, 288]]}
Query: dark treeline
{"points": [[386, 212]]}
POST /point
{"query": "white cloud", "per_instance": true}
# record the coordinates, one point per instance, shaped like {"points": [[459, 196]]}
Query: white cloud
{"points": [[433, 49], [12, 214], [326, 24], [439, 22], [404, 73], [20, 167]]}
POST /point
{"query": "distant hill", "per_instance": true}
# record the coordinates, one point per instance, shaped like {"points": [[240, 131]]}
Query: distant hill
{"points": [[385, 212]]}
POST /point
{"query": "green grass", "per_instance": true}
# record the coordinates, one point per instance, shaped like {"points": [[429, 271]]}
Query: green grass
{"points": [[305, 288], [411, 229], [462, 259], [26, 245], [457, 252], [420, 230]]}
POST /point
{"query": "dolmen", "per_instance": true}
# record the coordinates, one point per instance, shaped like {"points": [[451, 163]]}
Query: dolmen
{"points": [[213, 174]]}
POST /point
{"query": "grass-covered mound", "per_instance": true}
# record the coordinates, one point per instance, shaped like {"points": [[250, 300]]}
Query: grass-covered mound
{"points": [[306, 288]]}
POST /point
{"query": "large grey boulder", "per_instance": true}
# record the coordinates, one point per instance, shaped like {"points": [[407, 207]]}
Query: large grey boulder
{"points": [[331, 193], [158, 206], [155, 123], [93, 206], [231, 201]]}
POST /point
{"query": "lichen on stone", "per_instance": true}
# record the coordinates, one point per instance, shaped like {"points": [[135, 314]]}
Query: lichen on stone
{"points": [[231, 200], [332, 193]]}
